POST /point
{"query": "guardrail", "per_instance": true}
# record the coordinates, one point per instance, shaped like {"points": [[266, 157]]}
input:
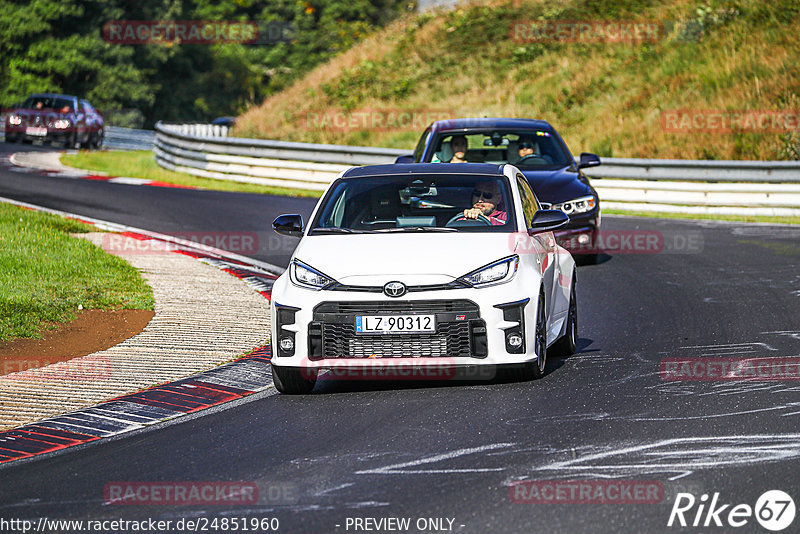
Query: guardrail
{"points": [[769, 188], [129, 138]]}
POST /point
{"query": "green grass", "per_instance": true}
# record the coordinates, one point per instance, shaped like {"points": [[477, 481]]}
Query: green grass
{"points": [[45, 274], [705, 217], [141, 164], [718, 55]]}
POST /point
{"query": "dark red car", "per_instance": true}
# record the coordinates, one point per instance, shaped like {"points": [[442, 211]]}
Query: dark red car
{"points": [[51, 117]]}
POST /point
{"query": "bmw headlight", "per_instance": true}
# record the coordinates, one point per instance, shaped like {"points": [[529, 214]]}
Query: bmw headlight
{"points": [[304, 275], [495, 273], [15, 120], [61, 124], [578, 205]]}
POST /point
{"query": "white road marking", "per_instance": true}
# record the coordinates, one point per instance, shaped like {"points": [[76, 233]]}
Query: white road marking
{"points": [[399, 469], [697, 453]]}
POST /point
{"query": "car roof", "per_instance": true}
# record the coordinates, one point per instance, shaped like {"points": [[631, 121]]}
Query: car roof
{"points": [[425, 168], [52, 95], [487, 123]]}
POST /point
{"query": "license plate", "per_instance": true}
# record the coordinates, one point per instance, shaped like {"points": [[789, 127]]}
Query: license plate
{"points": [[395, 324], [34, 130]]}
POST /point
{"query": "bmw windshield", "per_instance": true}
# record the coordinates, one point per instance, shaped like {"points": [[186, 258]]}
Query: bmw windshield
{"points": [[525, 149], [46, 102], [418, 203]]}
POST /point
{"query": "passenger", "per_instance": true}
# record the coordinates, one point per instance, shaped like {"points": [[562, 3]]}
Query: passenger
{"points": [[486, 199], [459, 145]]}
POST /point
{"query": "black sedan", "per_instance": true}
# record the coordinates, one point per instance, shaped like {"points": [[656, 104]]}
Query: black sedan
{"points": [[539, 152]]}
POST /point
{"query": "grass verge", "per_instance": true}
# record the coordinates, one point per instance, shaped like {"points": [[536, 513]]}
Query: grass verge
{"points": [[141, 164], [487, 58], [45, 274], [704, 216]]}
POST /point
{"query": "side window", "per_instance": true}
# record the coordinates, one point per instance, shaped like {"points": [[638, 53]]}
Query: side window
{"points": [[529, 203], [421, 146]]}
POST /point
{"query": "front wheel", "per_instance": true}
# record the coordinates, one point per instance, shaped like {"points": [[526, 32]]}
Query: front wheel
{"points": [[568, 343], [97, 139], [540, 341], [73, 142], [293, 381]]}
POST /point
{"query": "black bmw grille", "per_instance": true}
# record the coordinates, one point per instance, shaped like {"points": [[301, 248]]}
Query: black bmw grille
{"points": [[460, 332]]}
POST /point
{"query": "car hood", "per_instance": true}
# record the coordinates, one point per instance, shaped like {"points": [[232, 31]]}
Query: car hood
{"points": [[369, 259], [556, 186]]}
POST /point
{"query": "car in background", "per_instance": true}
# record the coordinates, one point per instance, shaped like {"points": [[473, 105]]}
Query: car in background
{"points": [[224, 121], [536, 149], [392, 275], [50, 117]]}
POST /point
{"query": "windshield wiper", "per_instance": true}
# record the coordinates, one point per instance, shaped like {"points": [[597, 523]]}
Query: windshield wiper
{"points": [[416, 229], [337, 230]]}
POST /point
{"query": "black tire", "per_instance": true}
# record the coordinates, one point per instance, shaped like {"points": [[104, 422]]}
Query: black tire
{"points": [[11, 139], [535, 369], [98, 139], [72, 142], [568, 343], [293, 381]]}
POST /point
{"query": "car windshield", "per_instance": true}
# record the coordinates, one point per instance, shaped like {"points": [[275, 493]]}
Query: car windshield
{"points": [[46, 102], [416, 203], [526, 149]]}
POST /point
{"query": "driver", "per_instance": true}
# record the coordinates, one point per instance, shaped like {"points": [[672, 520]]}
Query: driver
{"points": [[527, 147], [485, 199]]}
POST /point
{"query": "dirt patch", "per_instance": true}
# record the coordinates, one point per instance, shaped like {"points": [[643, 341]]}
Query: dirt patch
{"points": [[91, 331]]}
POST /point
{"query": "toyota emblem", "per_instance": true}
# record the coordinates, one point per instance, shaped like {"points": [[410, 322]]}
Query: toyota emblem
{"points": [[395, 289]]}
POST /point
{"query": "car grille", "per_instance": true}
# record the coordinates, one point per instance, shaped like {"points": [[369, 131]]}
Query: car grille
{"points": [[460, 332]]}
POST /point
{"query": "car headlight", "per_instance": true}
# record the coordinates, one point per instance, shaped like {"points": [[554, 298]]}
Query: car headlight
{"points": [[495, 273], [306, 276], [15, 120], [578, 205], [61, 124]]}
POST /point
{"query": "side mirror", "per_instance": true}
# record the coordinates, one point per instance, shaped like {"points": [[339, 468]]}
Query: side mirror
{"points": [[291, 225], [588, 160], [405, 158], [547, 220]]}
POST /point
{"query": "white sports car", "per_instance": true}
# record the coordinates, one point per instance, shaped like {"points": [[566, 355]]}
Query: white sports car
{"points": [[422, 271]]}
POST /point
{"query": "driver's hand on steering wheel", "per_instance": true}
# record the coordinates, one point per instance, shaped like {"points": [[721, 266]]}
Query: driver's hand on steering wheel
{"points": [[472, 213]]}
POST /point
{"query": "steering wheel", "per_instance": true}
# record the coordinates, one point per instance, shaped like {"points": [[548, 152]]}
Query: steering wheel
{"points": [[482, 220], [531, 157]]}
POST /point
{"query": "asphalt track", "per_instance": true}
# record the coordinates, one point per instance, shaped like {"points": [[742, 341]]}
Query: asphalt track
{"points": [[439, 450]]}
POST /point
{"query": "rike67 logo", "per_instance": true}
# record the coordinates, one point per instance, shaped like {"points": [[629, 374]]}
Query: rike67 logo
{"points": [[774, 510]]}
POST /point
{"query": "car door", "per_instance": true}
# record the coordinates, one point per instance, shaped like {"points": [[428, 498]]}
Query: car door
{"points": [[544, 242]]}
